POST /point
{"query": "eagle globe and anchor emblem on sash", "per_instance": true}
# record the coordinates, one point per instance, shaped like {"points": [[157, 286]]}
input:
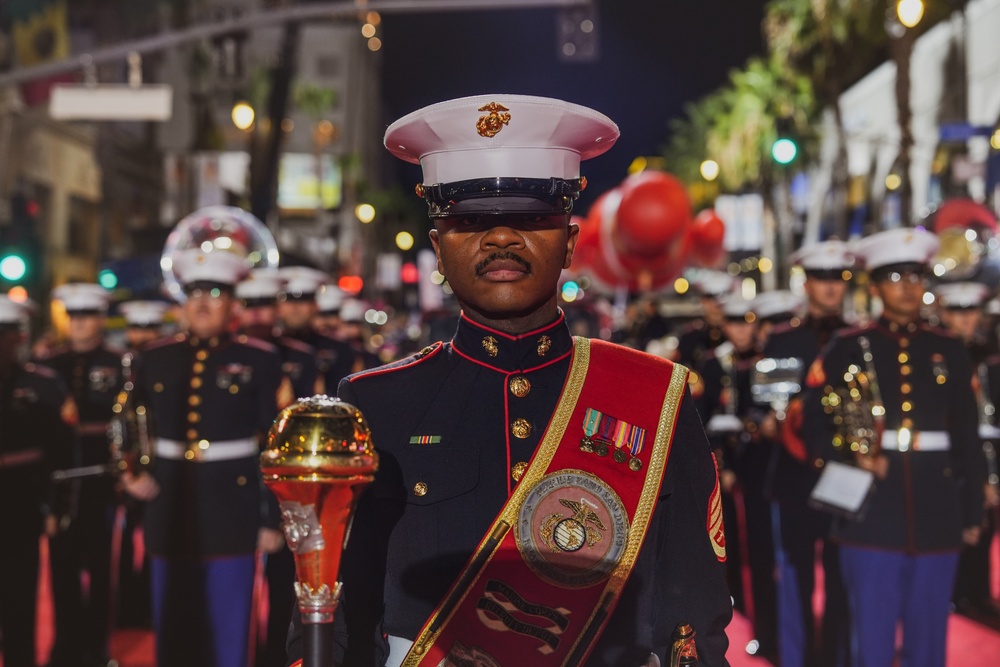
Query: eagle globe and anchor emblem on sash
{"points": [[572, 529]]}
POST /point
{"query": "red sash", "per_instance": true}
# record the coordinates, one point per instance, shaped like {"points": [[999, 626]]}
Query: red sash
{"points": [[543, 583]]}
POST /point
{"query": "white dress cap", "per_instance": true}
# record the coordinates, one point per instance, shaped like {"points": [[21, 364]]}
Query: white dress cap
{"points": [[82, 297], [714, 283], [302, 281], [897, 246], [329, 299], [734, 307], [506, 136], [14, 312], [825, 256], [779, 302], [961, 295], [218, 266], [353, 310], [143, 313], [262, 285]]}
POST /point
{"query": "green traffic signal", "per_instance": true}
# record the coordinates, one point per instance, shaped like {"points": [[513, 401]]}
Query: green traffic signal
{"points": [[784, 151], [13, 267]]}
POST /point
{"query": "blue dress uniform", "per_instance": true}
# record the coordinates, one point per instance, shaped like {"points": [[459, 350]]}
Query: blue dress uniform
{"points": [[83, 619], [799, 527], [37, 416], [455, 426], [899, 558], [209, 400], [908, 541]]}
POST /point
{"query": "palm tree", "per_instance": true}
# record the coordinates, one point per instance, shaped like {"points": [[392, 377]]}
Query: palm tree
{"points": [[833, 43]]}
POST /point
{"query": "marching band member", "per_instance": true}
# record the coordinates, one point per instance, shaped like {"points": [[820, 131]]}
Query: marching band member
{"points": [[512, 456], [899, 554]]}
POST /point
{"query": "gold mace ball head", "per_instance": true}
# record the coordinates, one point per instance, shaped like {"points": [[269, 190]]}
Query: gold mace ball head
{"points": [[320, 438]]}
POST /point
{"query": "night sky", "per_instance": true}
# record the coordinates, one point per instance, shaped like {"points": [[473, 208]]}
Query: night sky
{"points": [[654, 57]]}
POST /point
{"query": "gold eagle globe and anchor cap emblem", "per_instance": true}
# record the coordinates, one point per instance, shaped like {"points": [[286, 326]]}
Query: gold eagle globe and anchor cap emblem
{"points": [[491, 124]]}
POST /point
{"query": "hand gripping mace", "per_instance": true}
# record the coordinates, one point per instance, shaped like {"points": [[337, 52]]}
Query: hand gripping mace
{"points": [[319, 458]]}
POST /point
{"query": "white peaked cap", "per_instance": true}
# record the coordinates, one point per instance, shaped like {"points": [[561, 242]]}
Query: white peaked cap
{"points": [[143, 313], [530, 137], [216, 266], [714, 283], [897, 246], [353, 310], [14, 312], [261, 284], [301, 280], [77, 297], [734, 306], [770, 304], [329, 299], [961, 295], [824, 256]]}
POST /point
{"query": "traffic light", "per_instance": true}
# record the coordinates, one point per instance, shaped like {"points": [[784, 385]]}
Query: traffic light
{"points": [[785, 148], [13, 267]]}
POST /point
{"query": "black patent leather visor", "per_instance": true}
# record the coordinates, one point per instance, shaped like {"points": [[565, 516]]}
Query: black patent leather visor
{"points": [[501, 196]]}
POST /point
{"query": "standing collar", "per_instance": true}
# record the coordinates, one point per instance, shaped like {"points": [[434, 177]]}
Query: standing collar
{"points": [[506, 352], [900, 330]]}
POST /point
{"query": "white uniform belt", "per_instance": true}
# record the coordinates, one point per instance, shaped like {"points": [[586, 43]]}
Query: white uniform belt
{"points": [[919, 441], [207, 450], [20, 458]]}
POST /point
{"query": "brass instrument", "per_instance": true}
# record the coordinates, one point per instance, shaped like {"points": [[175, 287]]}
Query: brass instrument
{"points": [[857, 409], [319, 459], [683, 652], [129, 441]]}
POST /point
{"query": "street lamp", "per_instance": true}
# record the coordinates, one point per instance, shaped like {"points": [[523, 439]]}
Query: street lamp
{"points": [[243, 115], [910, 12]]}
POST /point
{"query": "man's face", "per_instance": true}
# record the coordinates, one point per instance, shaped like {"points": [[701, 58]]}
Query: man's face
{"points": [[712, 308], [826, 296], [504, 267], [902, 295], [207, 312], [740, 333], [85, 331], [257, 320], [962, 322], [326, 324], [296, 315], [10, 341]]}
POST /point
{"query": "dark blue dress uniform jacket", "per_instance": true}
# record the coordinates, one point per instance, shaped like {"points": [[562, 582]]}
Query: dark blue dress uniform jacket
{"points": [[208, 508], [794, 480], [37, 416], [430, 504], [928, 497]]}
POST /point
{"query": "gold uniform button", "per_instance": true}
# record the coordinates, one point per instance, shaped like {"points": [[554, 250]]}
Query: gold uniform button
{"points": [[420, 489], [189, 455], [904, 342], [234, 389], [241, 481], [517, 472], [158, 387], [194, 417], [905, 370], [192, 434], [906, 422], [907, 406], [198, 367], [194, 400], [940, 379], [521, 428], [906, 387], [520, 386], [196, 383], [903, 357], [201, 355]]}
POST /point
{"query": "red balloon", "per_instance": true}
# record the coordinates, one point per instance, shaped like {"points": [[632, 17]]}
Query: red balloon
{"points": [[707, 234], [654, 211], [961, 212]]}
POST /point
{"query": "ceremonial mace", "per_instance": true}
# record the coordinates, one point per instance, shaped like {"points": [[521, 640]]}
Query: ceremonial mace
{"points": [[319, 458]]}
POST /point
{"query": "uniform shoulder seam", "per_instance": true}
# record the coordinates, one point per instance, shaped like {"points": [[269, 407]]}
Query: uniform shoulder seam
{"points": [[407, 362]]}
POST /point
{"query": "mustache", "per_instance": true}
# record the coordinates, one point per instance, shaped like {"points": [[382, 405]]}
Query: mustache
{"points": [[499, 257]]}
